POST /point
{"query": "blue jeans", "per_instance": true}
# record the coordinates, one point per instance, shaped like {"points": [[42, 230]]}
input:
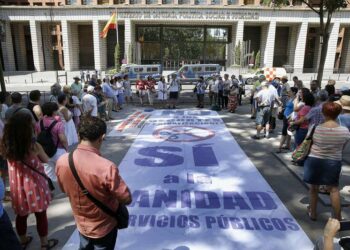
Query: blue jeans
{"points": [[105, 243], [8, 238], [300, 135]]}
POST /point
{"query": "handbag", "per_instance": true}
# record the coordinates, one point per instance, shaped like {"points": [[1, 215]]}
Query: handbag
{"points": [[303, 150], [122, 213], [49, 181], [280, 115]]}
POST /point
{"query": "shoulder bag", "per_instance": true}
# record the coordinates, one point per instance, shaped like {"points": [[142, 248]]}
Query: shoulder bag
{"points": [[49, 181], [303, 150], [122, 213]]}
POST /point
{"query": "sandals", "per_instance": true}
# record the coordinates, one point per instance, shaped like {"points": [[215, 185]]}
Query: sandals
{"points": [[323, 190], [309, 214], [51, 243], [27, 242]]}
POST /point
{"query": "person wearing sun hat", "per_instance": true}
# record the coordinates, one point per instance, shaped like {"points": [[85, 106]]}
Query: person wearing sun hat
{"points": [[344, 118], [76, 86]]}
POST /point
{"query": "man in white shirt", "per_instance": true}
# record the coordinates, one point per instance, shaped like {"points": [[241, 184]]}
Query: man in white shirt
{"points": [[90, 103], [265, 100], [174, 88]]}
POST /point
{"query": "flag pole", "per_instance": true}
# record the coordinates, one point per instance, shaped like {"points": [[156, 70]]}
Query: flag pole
{"points": [[116, 25]]}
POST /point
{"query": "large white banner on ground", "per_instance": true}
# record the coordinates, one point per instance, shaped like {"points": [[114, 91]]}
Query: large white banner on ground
{"points": [[195, 189]]}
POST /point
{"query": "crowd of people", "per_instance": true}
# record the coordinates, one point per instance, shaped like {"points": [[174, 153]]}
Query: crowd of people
{"points": [[36, 140]]}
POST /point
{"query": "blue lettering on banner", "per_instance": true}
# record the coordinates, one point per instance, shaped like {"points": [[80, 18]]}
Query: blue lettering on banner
{"points": [[212, 222], [171, 179], [204, 200], [204, 156], [163, 153]]}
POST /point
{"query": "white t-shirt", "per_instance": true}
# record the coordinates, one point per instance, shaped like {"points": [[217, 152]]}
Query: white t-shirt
{"points": [[90, 102], [76, 101], [174, 86], [265, 97]]}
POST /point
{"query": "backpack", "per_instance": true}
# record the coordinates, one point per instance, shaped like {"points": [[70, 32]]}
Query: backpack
{"points": [[45, 139]]}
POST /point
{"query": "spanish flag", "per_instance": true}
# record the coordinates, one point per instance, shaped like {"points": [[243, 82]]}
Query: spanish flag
{"points": [[112, 24]]}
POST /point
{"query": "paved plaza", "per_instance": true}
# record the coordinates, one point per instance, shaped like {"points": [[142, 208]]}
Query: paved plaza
{"points": [[288, 187]]}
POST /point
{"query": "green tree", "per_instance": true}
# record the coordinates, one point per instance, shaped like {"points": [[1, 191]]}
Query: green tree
{"points": [[117, 57], [257, 59], [238, 54], [325, 10], [130, 53], [252, 58]]}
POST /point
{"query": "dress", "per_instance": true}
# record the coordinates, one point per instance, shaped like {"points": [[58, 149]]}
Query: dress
{"points": [[232, 99], [69, 130], [162, 91], [29, 190], [127, 89]]}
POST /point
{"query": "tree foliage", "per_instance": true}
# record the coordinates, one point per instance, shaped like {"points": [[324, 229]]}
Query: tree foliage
{"points": [[325, 10], [117, 57], [238, 54], [257, 59]]}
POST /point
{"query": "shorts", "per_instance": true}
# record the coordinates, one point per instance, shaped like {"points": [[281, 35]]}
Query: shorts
{"points": [[173, 95], [319, 171], [263, 116]]}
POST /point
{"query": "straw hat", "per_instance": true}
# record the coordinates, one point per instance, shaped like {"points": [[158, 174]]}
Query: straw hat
{"points": [[344, 102]]}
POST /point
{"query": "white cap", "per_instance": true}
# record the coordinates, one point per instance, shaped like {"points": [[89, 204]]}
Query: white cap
{"points": [[90, 89]]}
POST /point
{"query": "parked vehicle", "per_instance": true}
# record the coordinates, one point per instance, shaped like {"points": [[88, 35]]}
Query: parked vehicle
{"points": [[136, 72], [191, 72], [279, 72]]}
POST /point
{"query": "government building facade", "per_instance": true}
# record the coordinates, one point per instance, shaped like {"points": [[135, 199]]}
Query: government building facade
{"points": [[64, 35]]}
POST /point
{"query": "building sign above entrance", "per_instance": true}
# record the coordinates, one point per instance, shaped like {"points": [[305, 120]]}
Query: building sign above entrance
{"points": [[188, 14]]}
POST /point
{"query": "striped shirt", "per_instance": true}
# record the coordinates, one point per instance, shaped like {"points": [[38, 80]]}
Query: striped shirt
{"points": [[328, 143]]}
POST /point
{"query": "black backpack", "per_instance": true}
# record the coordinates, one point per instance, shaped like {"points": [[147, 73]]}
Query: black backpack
{"points": [[45, 139]]}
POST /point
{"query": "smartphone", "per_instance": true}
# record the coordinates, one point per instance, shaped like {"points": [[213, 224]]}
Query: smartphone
{"points": [[344, 225]]}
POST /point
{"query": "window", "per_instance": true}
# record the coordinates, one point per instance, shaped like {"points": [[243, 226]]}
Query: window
{"points": [[153, 69], [148, 34], [184, 69], [138, 69], [86, 2], [135, 1], [167, 2], [151, 1], [210, 69], [215, 2], [184, 2], [197, 69], [103, 2], [118, 1], [183, 34], [217, 34], [200, 2], [232, 2]]}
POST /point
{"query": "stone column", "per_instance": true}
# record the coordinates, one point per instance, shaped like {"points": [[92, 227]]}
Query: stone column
{"points": [[37, 45], [128, 38], [7, 49], [332, 48], [239, 32], [270, 44], [299, 55], [345, 54], [67, 46], [100, 46]]}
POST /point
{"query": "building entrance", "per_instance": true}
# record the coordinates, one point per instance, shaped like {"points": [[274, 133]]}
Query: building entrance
{"points": [[174, 46]]}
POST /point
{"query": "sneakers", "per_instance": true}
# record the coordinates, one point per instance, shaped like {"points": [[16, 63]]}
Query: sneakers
{"points": [[255, 137]]}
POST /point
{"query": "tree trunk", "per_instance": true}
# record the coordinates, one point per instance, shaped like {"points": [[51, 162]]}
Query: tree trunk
{"points": [[324, 49]]}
